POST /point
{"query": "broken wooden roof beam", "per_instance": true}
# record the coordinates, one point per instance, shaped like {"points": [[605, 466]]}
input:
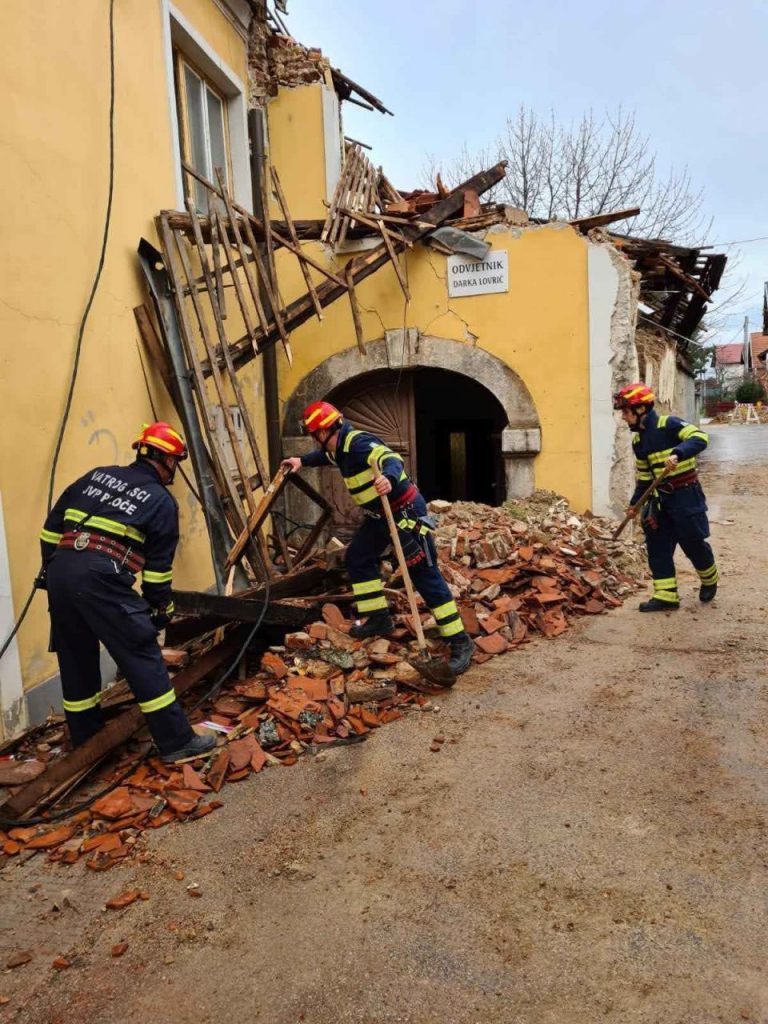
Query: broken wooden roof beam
{"points": [[236, 608], [362, 266], [345, 87], [599, 220]]}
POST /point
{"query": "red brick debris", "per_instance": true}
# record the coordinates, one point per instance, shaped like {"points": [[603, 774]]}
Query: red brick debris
{"points": [[525, 569]]}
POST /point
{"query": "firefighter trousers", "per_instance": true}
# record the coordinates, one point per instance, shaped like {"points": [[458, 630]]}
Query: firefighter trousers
{"points": [[91, 599], [365, 550], [681, 518]]}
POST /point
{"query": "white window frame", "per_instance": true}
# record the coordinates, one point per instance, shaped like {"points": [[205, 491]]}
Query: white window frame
{"points": [[181, 35], [183, 65]]}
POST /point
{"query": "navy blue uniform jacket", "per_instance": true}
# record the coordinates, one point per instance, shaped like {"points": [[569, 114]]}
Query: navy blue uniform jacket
{"points": [[130, 504], [360, 455], [661, 437]]}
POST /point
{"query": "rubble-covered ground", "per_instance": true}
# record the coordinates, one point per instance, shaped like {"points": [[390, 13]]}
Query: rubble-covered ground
{"points": [[576, 832], [528, 568]]}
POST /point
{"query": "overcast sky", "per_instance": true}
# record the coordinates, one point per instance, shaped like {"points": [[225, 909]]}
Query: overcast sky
{"points": [[451, 71]]}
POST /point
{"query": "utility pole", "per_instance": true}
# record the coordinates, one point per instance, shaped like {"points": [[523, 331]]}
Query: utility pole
{"points": [[746, 347]]}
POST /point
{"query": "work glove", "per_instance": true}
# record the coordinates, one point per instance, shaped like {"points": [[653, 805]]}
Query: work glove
{"points": [[160, 618], [41, 580]]}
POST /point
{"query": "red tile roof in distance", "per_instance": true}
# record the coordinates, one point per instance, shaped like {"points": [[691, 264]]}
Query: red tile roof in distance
{"points": [[729, 355]]}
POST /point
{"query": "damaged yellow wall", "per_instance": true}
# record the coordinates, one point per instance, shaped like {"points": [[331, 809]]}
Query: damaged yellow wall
{"points": [[297, 149], [55, 83], [539, 328]]}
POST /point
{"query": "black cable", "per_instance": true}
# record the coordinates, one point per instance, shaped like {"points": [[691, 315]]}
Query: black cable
{"points": [[251, 633], [102, 254], [18, 622], [84, 320]]}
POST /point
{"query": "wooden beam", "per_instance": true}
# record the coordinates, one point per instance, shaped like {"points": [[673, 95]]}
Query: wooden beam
{"points": [[374, 220], [257, 516], [600, 219], [307, 230], [690, 282], [157, 354], [354, 306], [216, 256], [236, 608], [395, 261], [115, 732], [232, 375], [294, 238], [299, 311], [268, 229], [300, 583], [172, 248], [271, 296], [243, 262]]}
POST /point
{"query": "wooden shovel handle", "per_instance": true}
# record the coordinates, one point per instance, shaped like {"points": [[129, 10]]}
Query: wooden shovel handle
{"points": [[640, 502], [404, 570]]}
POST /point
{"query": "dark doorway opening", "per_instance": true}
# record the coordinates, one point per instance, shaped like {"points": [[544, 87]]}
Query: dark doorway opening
{"points": [[446, 426], [458, 438]]}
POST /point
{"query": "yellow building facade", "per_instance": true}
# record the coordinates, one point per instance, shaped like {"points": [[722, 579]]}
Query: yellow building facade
{"points": [[55, 72], [494, 393], [535, 360]]}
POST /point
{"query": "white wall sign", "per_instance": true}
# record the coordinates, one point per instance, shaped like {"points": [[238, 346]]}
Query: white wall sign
{"points": [[478, 277]]}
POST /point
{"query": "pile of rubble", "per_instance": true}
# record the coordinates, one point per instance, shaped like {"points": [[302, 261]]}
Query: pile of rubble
{"points": [[517, 571], [529, 566]]}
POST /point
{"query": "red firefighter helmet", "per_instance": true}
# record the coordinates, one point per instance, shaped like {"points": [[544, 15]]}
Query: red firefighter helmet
{"points": [[160, 439], [632, 395], [321, 416]]}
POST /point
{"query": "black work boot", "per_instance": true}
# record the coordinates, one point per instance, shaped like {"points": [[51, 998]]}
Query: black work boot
{"points": [[707, 593], [653, 604], [462, 649], [196, 747], [378, 623]]}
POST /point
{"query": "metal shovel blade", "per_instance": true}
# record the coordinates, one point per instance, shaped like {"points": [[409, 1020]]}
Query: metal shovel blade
{"points": [[434, 670]]}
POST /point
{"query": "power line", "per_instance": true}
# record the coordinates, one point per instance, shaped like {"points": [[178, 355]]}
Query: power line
{"points": [[739, 241], [668, 330]]}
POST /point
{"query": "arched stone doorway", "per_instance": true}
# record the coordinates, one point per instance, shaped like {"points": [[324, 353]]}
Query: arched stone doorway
{"points": [[463, 420]]}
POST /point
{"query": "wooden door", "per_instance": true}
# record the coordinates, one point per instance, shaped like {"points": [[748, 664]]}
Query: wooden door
{"points": [[381, 403]]}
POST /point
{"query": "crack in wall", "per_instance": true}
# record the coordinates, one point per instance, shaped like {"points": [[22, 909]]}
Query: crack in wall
{"points": [[33, 316], [376, 313], [469, 334]]}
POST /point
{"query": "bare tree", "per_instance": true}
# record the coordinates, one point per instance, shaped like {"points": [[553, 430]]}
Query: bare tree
{"points": [[594, 166]]}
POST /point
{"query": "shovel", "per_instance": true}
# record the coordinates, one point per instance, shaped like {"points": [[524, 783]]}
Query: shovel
{"points": [[434, 670]]}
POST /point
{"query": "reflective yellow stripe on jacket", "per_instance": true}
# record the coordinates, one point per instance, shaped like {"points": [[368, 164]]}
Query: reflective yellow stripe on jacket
{"points": [[360, 485], [157, 577], [76, 515]]}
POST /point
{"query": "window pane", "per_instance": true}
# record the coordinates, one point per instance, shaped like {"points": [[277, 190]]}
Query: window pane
{"points": [[193, 89], [216, 134]]}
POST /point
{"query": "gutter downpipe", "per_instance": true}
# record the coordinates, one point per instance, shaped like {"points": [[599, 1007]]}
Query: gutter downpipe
{"points": [[271, 388]]}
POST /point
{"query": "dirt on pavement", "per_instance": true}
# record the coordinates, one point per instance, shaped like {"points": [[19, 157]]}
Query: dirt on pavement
{"points": [[588, 844]]}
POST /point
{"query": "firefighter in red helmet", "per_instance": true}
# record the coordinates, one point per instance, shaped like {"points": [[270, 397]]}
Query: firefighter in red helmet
{"points": [[677, 512], [370, 469], [106, 528]]}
